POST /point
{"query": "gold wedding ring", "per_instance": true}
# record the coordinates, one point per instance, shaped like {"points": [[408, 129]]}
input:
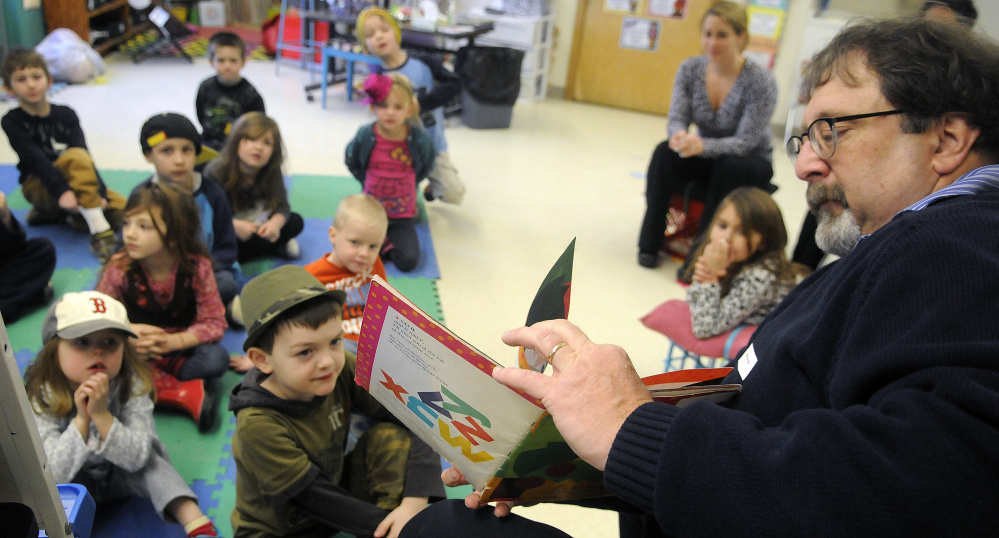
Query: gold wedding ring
{"points": [[554, 351]]}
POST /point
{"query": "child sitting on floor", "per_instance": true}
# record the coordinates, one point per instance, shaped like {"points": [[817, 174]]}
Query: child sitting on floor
{"points": [[249, 170], [357, 234], [58, 176], [435, 86], [389, 157], [225, 96], [26, 266], [741, 272], [93, 403], [293, 477], [164, 278], [171, 143]]}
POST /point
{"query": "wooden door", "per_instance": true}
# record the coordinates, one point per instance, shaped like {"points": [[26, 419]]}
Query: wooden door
{"points": [[602, 71]]}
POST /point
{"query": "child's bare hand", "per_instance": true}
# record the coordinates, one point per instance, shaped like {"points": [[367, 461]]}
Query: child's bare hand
{"points": [[96, 389], [712, 263], [146, 340], [156, 344], [393, 523], [244, 229], [67, 201], [452, 477], [81, 397], [240, 363], [716, 254], [269, 231]]}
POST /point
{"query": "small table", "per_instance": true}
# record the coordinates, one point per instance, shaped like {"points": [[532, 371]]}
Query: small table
{"points": [[350, 57]]}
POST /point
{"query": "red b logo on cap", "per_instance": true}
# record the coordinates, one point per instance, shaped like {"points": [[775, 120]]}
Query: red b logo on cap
{"points": [[99, 306]]}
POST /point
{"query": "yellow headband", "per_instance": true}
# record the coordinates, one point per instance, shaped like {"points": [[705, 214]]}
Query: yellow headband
{"points": [[378, 12]]}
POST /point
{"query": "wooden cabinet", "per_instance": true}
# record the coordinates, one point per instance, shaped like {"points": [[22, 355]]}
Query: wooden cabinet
{"points": [[73, 14]]}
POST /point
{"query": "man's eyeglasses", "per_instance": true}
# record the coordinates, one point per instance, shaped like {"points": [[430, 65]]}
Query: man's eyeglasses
{"points": [[822, 135]]}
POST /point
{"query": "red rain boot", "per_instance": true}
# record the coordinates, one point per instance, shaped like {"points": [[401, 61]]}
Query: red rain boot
{"points": [[190, 396]]}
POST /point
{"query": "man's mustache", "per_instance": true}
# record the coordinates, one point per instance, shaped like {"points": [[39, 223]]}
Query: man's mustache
{"points": [[818, 194]]}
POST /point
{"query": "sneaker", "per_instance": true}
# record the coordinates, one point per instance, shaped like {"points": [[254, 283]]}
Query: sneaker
{"points": [[428, 195], [37, 217], [291, 250], [102, 245]]}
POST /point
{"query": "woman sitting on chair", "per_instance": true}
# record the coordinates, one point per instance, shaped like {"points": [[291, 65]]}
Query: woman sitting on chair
{"points": [[730, 100]]}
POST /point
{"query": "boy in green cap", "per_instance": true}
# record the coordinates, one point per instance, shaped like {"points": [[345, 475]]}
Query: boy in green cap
{"points": [[293, 475]]}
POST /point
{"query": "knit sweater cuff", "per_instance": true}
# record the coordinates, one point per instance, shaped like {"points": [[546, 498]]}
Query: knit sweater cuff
{"points": [[632, 465]]}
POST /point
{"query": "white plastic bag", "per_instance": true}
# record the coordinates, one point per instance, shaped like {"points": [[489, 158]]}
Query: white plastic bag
{"points": [[70, 59]]}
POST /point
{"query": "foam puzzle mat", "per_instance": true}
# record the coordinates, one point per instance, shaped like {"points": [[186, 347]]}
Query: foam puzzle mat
{"points": [[204, 460]]}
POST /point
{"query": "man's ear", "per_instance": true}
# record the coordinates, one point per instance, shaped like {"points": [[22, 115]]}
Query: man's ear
{"points": [[148, 156], [955, 138], [260, 359]]}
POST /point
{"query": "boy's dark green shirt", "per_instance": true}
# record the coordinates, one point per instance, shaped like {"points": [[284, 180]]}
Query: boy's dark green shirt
{"points": [[276, 444]]}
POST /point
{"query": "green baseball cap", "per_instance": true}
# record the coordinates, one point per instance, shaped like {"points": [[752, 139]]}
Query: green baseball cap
{"points": [[266, 297]]}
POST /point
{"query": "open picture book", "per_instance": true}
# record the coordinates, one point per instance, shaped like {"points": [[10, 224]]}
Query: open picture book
{"points": [[502, 440]]}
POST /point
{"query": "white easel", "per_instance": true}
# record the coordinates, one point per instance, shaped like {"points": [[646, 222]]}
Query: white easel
{"points": [[24, 473]]}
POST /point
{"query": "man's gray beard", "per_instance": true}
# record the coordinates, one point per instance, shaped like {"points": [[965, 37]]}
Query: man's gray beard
{"points": [[837, 235]]}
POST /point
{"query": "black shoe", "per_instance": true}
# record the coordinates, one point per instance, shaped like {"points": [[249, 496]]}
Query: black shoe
{"points": [[648, 259], [428, 195], [48, 293], [37, 217], [209, 407]]}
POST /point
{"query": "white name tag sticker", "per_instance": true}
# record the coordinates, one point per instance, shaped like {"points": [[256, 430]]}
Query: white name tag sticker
{"points": [[747, 361]]}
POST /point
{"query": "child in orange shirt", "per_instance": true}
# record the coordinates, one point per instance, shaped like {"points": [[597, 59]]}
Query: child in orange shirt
{"points": [[357, 234]]}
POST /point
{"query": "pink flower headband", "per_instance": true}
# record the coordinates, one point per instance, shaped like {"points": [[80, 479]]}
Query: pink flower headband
{"points": [[377, 87]]}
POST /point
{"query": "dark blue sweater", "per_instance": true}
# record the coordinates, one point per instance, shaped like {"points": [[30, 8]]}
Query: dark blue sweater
{"points": [[873, 408]]}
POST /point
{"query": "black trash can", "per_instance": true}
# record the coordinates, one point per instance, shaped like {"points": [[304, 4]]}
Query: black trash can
{"points": [[490, 81]]}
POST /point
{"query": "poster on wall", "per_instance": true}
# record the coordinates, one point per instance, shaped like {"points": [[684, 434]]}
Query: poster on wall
{"points": [[640, 34], [629, 7], [667, 9], [766, 24]]}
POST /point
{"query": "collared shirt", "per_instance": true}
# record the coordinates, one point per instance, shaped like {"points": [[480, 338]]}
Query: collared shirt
{"points": [[979, 180]]}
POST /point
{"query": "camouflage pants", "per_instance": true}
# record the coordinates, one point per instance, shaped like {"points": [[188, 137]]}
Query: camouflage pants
{"points": [[375, 471]]}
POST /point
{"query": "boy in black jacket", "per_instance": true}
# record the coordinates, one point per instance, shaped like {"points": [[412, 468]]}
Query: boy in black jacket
{"points": [[223, 98], [58, 176]]}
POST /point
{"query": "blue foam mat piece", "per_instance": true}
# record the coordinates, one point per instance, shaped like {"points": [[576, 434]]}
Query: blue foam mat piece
{"points": [[132, 517]]}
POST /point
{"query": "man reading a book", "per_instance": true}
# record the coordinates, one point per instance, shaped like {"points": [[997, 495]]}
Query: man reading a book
{"points": [[294, 476], [870, 401]]}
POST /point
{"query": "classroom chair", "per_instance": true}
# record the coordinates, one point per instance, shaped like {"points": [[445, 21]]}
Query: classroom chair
{"points": [[672, 319]]}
